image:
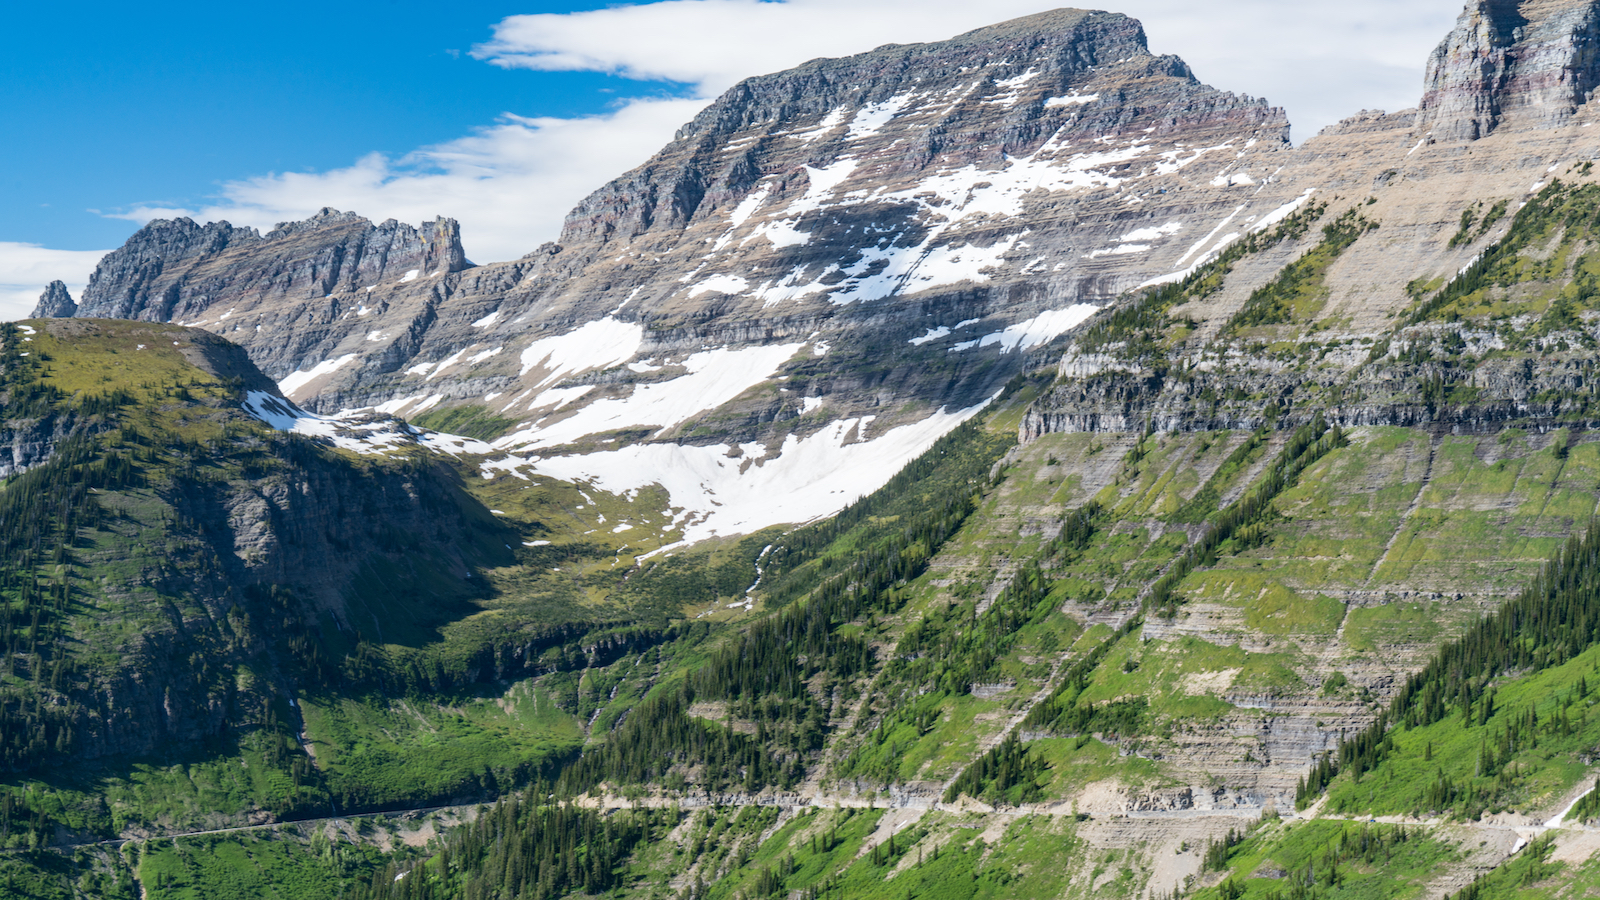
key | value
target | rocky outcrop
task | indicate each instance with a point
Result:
(229, 549)
(25, 443)
(173, 270)
(1532, 63)
(55, 302)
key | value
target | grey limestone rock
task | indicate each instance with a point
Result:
(55, 302)
(173, 270)
(1532, 62)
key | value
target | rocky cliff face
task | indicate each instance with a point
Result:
(1353, 342)
(1532, 61)
(172, 270)
(233, 546)
(55, 302)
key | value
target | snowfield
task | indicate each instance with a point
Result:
(800, 481)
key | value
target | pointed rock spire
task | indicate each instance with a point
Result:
(55, 303)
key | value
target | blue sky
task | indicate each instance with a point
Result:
(125, 105)
(505, 114)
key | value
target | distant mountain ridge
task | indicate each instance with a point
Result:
(822, 257)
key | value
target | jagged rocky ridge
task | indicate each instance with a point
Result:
(1507, 111)
(840, 249)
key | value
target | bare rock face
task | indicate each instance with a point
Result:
(55, 302)
(1531, 62)
(823, 271)
(173, 270)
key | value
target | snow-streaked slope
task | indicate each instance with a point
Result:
(359, 431)
(596, 345)
(802, 480)
(294, 381)
(714, 378)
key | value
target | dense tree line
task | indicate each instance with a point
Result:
(1008, 773)
(1503, 263)
(779, 656)
(945, 477)
(1273, 303)
(41, 514)
(1059, 713)
(1139, 324)
(659, 735)
(522, 849)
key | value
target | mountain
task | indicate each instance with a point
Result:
(829, 266)
(1241, 548)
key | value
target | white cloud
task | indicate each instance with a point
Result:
(511, 183)
(26, 268)
(1322, 62)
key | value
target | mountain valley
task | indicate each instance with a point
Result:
(1003, 467)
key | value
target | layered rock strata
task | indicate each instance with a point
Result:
(1353, 351)
(1533, 62)
(917, 213)
(55, 302)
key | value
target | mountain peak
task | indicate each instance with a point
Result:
(171, 269)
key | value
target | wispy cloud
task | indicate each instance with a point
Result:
(510, 184)
(26, 268)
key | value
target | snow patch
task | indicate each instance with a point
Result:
(1561, 816)
(715, 377)
(1071, 100)
(488, 320)
(358, 431)
(294, 381)
(1119, 250)
(781, 234)
(600, 344)
(748, 206)
(832, 120)
(1153, 233)
(933, 335)
(1283, 212)
(411, 275)
(555, 398)
(446, 363)
(721, 284)
(1034, 332)
(918, 268)
(874, 116)
(808, 478)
